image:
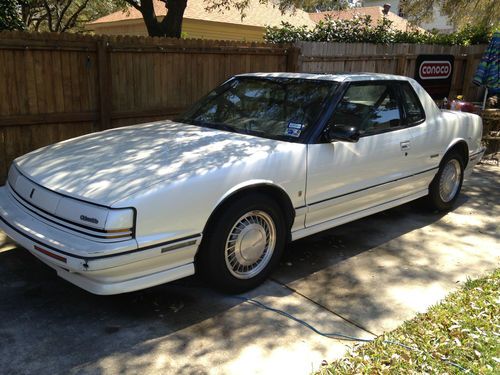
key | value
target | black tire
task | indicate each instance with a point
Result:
(211, 261)
(435, 200)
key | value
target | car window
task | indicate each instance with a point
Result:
(371, 107)
(280, 108)
(414, 111)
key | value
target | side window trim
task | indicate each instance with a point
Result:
(401, 95)
(316, 134)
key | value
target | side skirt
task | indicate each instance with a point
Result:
(356, 215)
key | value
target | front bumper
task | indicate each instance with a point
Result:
(100, 268)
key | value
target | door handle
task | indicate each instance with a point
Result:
(405, 146)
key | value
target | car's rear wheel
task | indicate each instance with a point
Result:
(242, 244)
(446, 185)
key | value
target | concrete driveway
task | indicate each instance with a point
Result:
(358, 279)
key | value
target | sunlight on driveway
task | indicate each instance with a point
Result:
(5, 243)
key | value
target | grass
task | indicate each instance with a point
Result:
(464, 329)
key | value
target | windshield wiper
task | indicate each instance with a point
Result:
(211, 125)
(253, 132)
(225, 127)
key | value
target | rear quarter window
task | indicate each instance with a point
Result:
(414, 111)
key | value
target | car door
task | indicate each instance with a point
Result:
(348, 177)
(427, 144)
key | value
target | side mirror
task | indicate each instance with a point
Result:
(345, 133)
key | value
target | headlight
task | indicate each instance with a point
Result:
(120, 220)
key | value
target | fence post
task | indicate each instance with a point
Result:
(104, 77)
(469, 66)
(292, 59)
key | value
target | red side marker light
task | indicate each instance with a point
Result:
(52, 255)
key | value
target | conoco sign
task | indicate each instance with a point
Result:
(434, 70)
(434, 73)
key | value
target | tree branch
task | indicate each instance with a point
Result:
(73, 19)
(135, 4)
(63, 12)
(49, 14)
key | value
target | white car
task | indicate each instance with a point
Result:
(263, 159)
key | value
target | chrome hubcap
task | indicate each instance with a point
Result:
(250, 244)
(450, 180)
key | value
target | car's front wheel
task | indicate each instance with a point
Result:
(242, 244)
(444, 189)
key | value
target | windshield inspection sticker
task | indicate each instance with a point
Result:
(295, 125)
(293, 129)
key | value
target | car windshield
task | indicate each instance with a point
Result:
(270, 107)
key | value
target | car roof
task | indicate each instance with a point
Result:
(338, 77)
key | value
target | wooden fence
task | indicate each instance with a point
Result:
(58, 86)
(393, 59)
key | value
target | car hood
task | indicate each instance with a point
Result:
(108, 166)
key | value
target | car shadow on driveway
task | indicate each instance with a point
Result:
(50, 326)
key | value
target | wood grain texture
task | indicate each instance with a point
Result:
(59, 86)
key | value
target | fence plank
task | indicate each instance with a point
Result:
(3, 155)
(104, 84)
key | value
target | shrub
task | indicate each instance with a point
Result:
(360, 30)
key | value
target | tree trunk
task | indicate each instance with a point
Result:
(148, 13)
(171, 25)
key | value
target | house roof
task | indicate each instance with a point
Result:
(375, 12)
(256, 14)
